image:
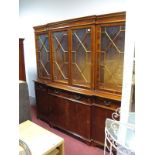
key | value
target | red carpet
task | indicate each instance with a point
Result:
(72, 146)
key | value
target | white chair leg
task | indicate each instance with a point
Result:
(105, 145)
(111, 149)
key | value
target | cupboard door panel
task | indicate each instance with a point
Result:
(99, 116)
(59, 112)
(60, 56)
(43, 56)
(79, 119)
(111, 57)
(81, 57)
(42, 101)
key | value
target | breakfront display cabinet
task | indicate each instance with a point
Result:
(80, 73)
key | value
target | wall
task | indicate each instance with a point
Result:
(37, 12)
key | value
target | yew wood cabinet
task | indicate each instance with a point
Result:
(80, 68)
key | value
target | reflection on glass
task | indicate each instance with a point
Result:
(43, 56)
(111, 57)
(60, 56)
(81, 57)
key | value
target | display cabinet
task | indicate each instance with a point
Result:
(80, 67)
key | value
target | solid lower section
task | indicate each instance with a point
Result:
(80, 115)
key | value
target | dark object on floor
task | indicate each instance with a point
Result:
(24, 102)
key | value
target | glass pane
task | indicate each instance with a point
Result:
(111, 57)
(43, 56)
(81, 57)
(60, 56)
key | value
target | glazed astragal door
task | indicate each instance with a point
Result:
(43, 56)
(81, 57)
(111, 57)
(60, 56)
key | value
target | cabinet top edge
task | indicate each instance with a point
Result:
(113, 14)
(67, 21)
(82, 91)
(85, 20)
